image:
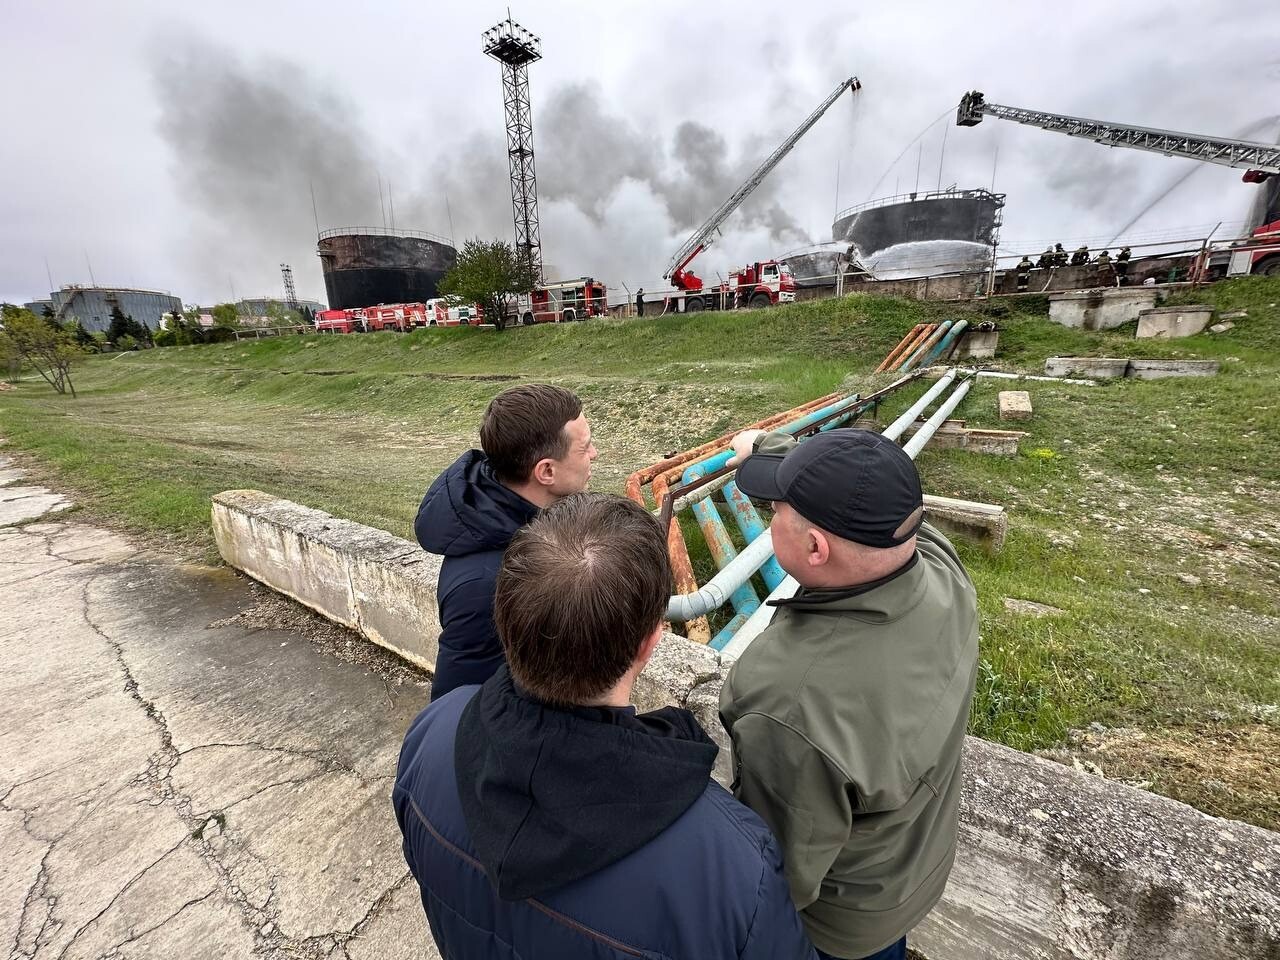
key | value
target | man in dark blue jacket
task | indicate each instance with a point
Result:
(543, 818)
(536, 448)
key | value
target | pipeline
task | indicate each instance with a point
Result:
(929, 343)
(947, 344)
(897, 351)
(894, 430)
(926, 432)
(926, 331)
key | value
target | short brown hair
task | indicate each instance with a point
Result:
(524, 425)
(579, 591)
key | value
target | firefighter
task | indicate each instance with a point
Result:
(640, 302)
(1080, 256)
(1059, 255)
(1046, 259)
(1102, 259)
(1024, 273)
(1122, 266)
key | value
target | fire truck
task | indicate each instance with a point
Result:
(442, 313)
(1258, 255)
(561, 302)
(340, 321)
(759, 284)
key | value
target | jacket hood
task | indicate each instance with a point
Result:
(552, 795)
(468, 510)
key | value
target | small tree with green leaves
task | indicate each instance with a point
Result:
(489, 273)
(32, 341)
(224, 315)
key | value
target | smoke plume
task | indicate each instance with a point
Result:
(250, 141)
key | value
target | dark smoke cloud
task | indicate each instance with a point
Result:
(250, 140)
(589, 151)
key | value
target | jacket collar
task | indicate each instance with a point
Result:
(885, 599)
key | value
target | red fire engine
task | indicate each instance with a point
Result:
(563, 302)
(759, 284)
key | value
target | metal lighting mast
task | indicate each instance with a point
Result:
(515, 48)
(290, 295)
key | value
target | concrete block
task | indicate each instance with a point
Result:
(984, 523)
(1170, 322)
(1222, 327)
(978, 343)
(954, 435)
(1158, 369)
(1101, 309)
(1014, 405)
(1097, 368)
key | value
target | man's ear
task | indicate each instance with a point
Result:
(819, 548)
(544, 472)
(650, 644)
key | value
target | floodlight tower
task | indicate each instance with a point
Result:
(515, 48)
(290, 295)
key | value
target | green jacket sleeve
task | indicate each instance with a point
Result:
(799, 793)
(774, 442)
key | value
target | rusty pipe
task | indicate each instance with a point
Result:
(897, 351)
(640, 477)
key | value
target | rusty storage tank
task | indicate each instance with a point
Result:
(365, 266)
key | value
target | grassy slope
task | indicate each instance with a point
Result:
(1119, 488)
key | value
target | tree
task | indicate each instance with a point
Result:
(48, 351)
(224, 315)
(119, 326)
(489, 273)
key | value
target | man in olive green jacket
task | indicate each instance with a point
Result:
(848, 712)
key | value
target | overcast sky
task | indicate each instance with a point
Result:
(176, 145)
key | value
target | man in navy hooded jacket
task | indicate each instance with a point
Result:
(536, 449)
(543, 818)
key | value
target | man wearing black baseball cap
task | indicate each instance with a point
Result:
(848, 712)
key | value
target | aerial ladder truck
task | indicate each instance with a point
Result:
(1259, 254)
(759, 284)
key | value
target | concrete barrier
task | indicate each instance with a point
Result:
(1159, 369)
(377, 584)
(1096, 368)
(1169, 322)
(1052, 864)
(1102, 309)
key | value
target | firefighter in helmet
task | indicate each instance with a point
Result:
(1046, 259)
(1122, 266)
(1080, 256)
(1024, 273)
(1103, 259)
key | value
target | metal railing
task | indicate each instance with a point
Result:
(382, 232)
(948, 194)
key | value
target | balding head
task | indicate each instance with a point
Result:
(819, 559)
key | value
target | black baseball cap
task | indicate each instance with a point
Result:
(853, 483)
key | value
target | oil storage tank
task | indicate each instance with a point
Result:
(943, 231)
(365, 266)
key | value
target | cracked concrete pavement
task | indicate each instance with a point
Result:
(175, 781)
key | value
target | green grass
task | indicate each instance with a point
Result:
(1119, 488)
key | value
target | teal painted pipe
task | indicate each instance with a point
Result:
(948, 342)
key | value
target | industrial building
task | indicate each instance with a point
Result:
(365, 266)
(92, 306)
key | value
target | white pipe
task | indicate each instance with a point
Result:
(758, 620)
(895, 429)
(925, 433)
(686, 606)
